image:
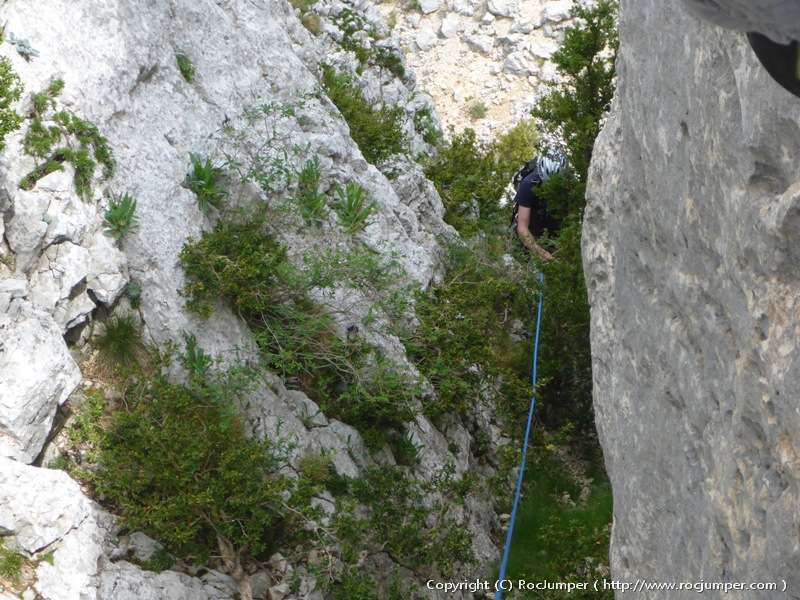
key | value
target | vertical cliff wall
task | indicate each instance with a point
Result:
(690, 248)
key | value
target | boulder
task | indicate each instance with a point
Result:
(558, 11)
(502, 8)
(694, 289)
(451, 25)
(426, 38)
(37, 374)
(429, 6)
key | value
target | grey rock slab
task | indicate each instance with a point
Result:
(777, 19)
(37, 374)
(502, 8)
(451, 25)
(429, 6)
(694, 287)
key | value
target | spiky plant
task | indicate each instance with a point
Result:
(353, 207)
(120, 217)
(204, 179)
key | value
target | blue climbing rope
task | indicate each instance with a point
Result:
(507, 550)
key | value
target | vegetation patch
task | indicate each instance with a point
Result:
(11, 564)
(10, 91)
(353, 207)
(205, 180)
(477, 110)
(55, 138)
(240, 262)
(120, 217)
(312, 203)
(425, 125)
(561, 534)
(378, 132)
(466, 344)
(185, 67)
(471, 177)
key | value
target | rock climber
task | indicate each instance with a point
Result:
(531, 217)
(772, 26)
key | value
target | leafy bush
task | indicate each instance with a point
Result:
(311, 201)
(82, 145)
(10, 92)
(465, 344)
(400, 525)
(177, 464)
(47, 98)
(204, 179)
(573, 109)
(426, 127)
(477, 110)
(120, 217)
(378, 132)
(353, 207)
(471, 176)
(185, 66)
(244, 265)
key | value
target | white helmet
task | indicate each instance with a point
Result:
(549, 164)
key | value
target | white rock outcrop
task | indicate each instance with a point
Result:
(690, 250)
(60, 269)
(37, 374)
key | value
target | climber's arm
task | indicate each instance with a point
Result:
(525, 235)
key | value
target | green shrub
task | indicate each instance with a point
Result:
(378, 132)
(391, 60)
(194, 359)
(11, 564)
(68, 139)
(400, 523)
(178, 465)
(159, 561)
(426, 127)
(311, 201)
(573, 109)
(205, 180)
(464, 343)
(471, 176)
(10, 92)
(477, 110)
(47, 98)
(242, 264)
(353, 206)
(120, 217)
(185, 66)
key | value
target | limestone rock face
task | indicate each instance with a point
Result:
(59, 268)
(778, 19)
(37, 374)
(690, 250)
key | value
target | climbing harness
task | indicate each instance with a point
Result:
(782, 61)
(518, 492)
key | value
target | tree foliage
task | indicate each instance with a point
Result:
(573, 110)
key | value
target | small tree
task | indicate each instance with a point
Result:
(573, 108)
(573, 111)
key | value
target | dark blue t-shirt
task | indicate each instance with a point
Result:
(527, 196)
